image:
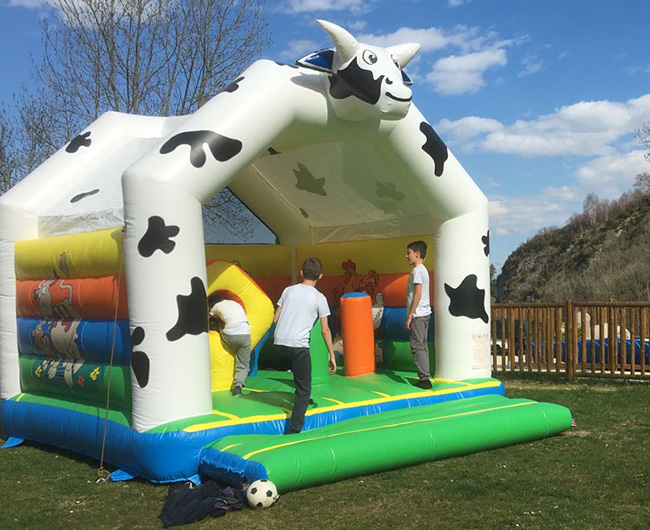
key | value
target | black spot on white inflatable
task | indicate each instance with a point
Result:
(81, 140)
(284, 64)
(221, 147)
(486, 242)
(157, 237)
(435, 148)
(139, 360)
(192, 312)
(80, 196)
(234, 85)
(354, 81)
(389, 190)
(467, 300)
(307, 182)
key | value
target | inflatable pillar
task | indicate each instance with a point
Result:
(358, 334)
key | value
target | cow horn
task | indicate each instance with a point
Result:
(346, 45)
(403, 53)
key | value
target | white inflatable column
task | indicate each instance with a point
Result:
(16, 223)
(164, 249)
(461, 266)
(462, 297)
(166, 277)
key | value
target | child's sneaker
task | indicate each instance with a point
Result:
(425, 384)
(236, 391)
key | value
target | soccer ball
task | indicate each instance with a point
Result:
(262, 494)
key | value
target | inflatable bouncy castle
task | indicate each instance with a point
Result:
(105, 346)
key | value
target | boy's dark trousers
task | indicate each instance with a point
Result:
(419, 346)
(301, 368)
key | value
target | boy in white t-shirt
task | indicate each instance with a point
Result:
(418, 311)
(232, 323)
(299, 307)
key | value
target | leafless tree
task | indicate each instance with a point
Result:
(643, 179)
(152, 57)
(8, 162)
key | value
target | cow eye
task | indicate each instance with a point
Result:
(396, 63)
(369, 57)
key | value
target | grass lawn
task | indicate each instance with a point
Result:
(596, 476)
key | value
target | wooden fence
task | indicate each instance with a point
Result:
(604, 339)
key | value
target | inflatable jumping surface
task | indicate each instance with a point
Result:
(105, 344)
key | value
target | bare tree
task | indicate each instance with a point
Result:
(590, 207)
(642, 181)
(8, 163)
(152, 57)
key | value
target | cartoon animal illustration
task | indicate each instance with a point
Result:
(56, 335)
(354, 282)
(54, 299)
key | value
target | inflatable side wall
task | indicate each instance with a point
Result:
(72, 319)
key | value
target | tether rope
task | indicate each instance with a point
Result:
(102, 474)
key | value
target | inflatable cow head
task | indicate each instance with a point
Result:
(365, 81)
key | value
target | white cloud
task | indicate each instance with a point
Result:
(532, 64)
(521, 216)
(429, 39)
(456, 74)
(565, 193)
(605, 176)
(466, 39)
(467, 128)
(608, 176)
(357, 25)
(309, 6)
(456, 3)
(433, 39)
(586, 128)
(29, 4)
(641, 106)
(554, 143)
(462, 74)
(298, 49)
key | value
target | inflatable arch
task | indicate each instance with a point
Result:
(104, 282)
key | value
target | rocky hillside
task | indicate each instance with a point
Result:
(602, 253)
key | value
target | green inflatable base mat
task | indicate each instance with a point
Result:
(383, 441)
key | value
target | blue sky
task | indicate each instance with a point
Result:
(539, 100)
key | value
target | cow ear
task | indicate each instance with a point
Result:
(403, 53)
(321, 60)
(346, 45)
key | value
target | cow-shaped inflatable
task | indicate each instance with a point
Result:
(366, 81)
(356, 100)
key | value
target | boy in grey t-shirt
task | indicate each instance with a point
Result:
(418, 311)
(299, 307)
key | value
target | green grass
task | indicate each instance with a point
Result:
(595, 476)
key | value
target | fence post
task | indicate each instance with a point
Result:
(570, 334)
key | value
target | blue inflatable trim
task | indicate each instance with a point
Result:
(119, 475)
(392, 324)
(12, 442)
(355, 295)
(229, 468)
(255, 354)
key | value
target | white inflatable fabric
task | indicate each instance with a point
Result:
(332, 151)
(77, 189)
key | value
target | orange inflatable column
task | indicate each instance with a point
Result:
(358, 334)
